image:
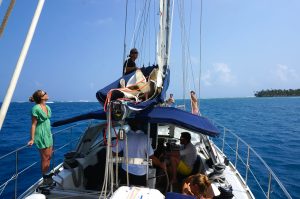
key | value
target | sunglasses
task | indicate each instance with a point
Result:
(45, 93)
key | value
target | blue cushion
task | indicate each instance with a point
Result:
(173, 195)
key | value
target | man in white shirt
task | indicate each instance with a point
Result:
(185, 160)
(137, 148)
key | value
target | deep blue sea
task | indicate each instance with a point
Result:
(270, 125)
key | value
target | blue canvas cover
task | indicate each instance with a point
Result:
(168, 115)
(180, 118)
(160, 98)
(99, 115)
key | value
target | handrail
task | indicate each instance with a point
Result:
(247, 165)
(25, 146)
(15, 152)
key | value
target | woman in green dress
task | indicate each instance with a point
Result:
(40, 132)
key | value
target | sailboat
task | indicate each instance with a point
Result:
(91, 171)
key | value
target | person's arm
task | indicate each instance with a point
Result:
(158, 163)
(130, 69)
(174, 154)
(186, 190)
(130, 66)
(32, 131)
(193, 97)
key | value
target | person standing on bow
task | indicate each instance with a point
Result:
(40, 132)
(194, 104)
(129, 65)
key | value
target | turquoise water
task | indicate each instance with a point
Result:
(269, 125)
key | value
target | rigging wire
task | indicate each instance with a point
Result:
(188, 54)
(133, 39)
(145, 25)
(182, 51)
(189, 60)
(149, 36)
(124, 52)
(200, 55)
(141, 36)
(134, 18)
(155, 31)
(187, 66)
(140, 23)
(186, 57)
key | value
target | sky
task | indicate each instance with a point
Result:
(78, 46)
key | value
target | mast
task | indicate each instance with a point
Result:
(164, 35)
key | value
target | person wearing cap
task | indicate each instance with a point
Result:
(129, 65)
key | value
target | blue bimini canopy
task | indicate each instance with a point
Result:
(102, 94)
(180, 118)
(166, 115)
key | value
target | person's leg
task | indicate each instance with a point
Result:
(174, 164)
(122, 177)
(46, 154)
(137, 180)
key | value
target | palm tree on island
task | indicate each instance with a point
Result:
(278, 93)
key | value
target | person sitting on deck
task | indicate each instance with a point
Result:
(129, 65)
(199, 186)
(183, 161)
(137, 146)
(171, 101)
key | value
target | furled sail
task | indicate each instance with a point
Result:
(139, 90)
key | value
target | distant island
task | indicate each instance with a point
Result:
(277, 93)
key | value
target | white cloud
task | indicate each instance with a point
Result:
(224, 73)
(220, 74)
(206, 78)
(284, 73)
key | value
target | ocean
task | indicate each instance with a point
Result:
(271, 126)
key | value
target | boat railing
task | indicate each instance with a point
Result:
(242, 155)
(16, 153)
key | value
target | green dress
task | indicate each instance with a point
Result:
(43, 136)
